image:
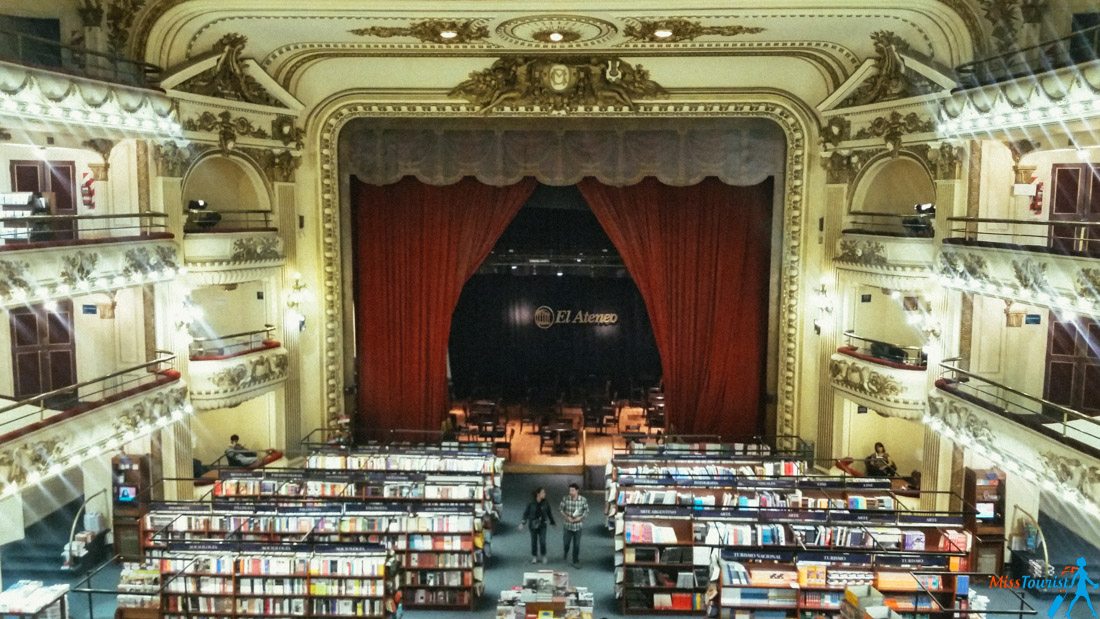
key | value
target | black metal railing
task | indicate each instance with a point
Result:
(1056, 420)
(1076, 48)
(24, 49)
(232, 344)
(227, 221)
(29, 229)
(89, 393)
(1064, 237)
(906, 355)
(891, 224)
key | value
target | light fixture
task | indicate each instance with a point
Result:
(926, 208)
(294, 299)
(196, 205)
(447, 35)
(514, 267)
(662, 33)
(560, 273)
(556, 37)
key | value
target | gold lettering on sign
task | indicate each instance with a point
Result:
(546, 317)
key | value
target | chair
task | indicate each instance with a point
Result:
(506, 443)
(593, 416)
(546, 436)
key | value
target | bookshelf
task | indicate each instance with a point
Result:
(439, 548)
(230, 579)
(984, 500)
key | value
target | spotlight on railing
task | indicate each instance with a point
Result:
(196, 205)
(927, 208)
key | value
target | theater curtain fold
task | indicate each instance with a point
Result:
(415, 247)
(700, 257)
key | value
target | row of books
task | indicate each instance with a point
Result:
(652, 577)
(720, 533)
(681, 555)
(644, 532)
(448, 578)
(157, 522)
(713, 469)
(487, 463)
(641, 601)
(224, 488)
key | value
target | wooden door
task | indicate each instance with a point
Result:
(43, 349)
(57, 178)
(1076, 198)
(1073, 365)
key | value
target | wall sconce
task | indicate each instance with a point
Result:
(189, 313)
(824, 308)
(294, 300)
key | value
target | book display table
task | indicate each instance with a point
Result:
(545, 594)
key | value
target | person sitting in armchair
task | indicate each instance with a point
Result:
(239, 455)
(879, 463)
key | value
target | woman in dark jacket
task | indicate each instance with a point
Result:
(535, 518)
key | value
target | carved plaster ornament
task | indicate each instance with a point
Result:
(863, 380)
(1087, 284)
(1030, 274)
(227, 127)
(1005, 17)
(675, 30)
(837, 130)
(120, 17)
(448, 32)
(891, 81)
(255, 249)
(560, 84)
(228, 79)
(14, 276)
(141, 261)
(892, 129)
(172, 159)
(78, 268)
(284, 130)
(871, 253)
(5, 135)
(91, 13)
(946, 161)
(104, 148)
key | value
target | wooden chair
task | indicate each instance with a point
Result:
(506, 443)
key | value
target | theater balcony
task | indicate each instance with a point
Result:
(44, 84)
(889, 248)
(1051, 264)
(884, 377)
(230, 240)
(54, 257)
(42, 435)
(1048, 443)
(1048, 89)
(227, 370)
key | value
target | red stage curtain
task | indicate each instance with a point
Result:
(415, 247)
(700, 257)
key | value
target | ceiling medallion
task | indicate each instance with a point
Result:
(674, 30)
(443, 31)
(538, 31)
(559, 84)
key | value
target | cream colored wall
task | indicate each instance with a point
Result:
(882, 318)
(894, 188)
(904, 439)
(253, 420)
(1014, 356)
(225, 185)
(232, 311)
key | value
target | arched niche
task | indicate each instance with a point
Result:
(226, 184)
(893, 185)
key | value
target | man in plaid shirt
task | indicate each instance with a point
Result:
(574, 508)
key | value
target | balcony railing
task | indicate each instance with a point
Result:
(27, 50)
(199, 221)
(34, 231)
(1063, 424)
(54, 406)
(221, 347)
(1079, 47)
(891, 224)
(1072, 238)
(906, 357)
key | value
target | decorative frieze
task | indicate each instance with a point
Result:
(228, 78)
(1030, 275)
(558, 84)
(894, 392)
(227, 128)
(78, 269)
(146, 262)
(837, 130)
(14, 276)
(173, 160)
(256, 248)
(675, 30)
(443, 31)
(862, 251)
(244, 249)
(891, 80)
(227, 382)
(893, 128)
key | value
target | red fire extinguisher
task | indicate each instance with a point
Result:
(1036, 205)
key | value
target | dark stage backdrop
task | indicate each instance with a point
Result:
(550, 333)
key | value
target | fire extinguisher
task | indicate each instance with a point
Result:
(1036, 205)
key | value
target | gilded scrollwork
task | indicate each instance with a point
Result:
(837, 130)
(78, 269)
(675, 30)
(227, 128)
(173, 159)
(558, 84)
(252, 372)
(253, 249)
(893, 128)
(228, 79)
(284, 130)
(445, 31)
(860, 251)
(891, 80)
(863, 380)
(14, 276)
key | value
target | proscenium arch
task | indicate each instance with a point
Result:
(799, 127)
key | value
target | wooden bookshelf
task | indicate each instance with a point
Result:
(231, 579)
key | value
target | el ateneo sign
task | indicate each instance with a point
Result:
(546, 317)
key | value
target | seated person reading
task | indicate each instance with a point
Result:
(238, 454)
(879, 463)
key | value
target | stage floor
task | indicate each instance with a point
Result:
(596, 447)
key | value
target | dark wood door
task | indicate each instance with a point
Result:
(1073, 365)
(43, 348)
(57, 178)
(1076, 198)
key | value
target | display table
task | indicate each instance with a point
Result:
(545, 594)
(32, 599)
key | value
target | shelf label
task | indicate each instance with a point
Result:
(930, 519)
(730, 554)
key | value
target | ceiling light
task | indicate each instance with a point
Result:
(560, 273)
(447, 35)
(556, 36)
(662, 33)
(514, 267)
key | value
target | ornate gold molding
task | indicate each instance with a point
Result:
(864, 381)
(284, 130)
(173, 160)
(78, 269)
(680, 29)
(1030, 274)
(444, 31)
(120, 18)
(842, 168)
(963, 265)
(894, 127)
(14, 276)
(837, 130)
(558, 84)
(860, 251)
(228, 128)
(228, 79)
(794, 122)
(91, 13)
(141, 261)
(892, 81)
(104, 148)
